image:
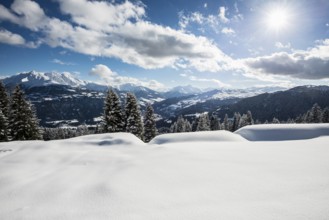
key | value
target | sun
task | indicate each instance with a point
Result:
(277, 19)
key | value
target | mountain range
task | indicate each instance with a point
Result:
(64, 99)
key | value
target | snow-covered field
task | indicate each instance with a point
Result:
(206, 175)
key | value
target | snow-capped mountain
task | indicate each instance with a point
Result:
(179, 91)
(62, 97)
(36, 79)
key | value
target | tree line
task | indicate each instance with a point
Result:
(212, 123)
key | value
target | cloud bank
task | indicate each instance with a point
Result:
(115, 30)
(303, 64)
(113, 78)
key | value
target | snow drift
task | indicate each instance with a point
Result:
(202, 136)
(280, 132)
(115, 176)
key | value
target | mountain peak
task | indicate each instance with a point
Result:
(34, 79)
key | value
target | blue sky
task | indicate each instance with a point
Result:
(165, 43)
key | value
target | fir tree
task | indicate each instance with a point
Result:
(315, 115)
(325, 115)
(4, 133)
(275, 121)
(113, 116)
(4, 100)
(250, 120)
(180, 125)
(225, 123)
(134, 123)
(150, 130)
(236, 121)
(214, 123)
(203, 123)
(23, 122)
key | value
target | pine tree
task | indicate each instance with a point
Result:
(250, 120)
(315, 115)
(134, 123)
(150, 130)
(325, 115)
(113, 116)
(23, 122)
(225, 123)
(214, 123)
(236, 121)
(275, 121)
(188, 126)
(180, 125)
(4, 100)
(4, 133)
(203, 123)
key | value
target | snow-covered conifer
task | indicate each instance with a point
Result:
(226, 123)
(236, 121)
(134, 123)
(112, 116)
(4, 100)
(214, 123)
(150, 130)
(315, 115)
(23, 122)
(325, 115)
(203, 123)
(4, 133)
(275, 121)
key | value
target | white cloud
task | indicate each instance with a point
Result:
(228, 31)
(114, 79)
(282, 46)
(57, 61)
(302, 64)
(8, 37)
(222, 16)
(118, 30)
(205, 5)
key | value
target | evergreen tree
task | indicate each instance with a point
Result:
(150, 130)
(325, 115)
(134, 123)
(236, 121)
(203, 123)
(23, 122)
(4, 100)
(214, 123)
(250, 120)
(226, 123)
(4, 133)
(180, 125)
(315, 115)
(188, 126)
(275, 121)
(113, 116)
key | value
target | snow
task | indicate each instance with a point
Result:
(190, 137)
(116, 176)
(280, 132)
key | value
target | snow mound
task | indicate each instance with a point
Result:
(282, 132)
(202, 136)
(110, 139)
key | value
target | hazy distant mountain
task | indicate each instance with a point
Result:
(281, 104)
(179, 91)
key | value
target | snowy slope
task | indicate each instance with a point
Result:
(280, 132)
(116, 176)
